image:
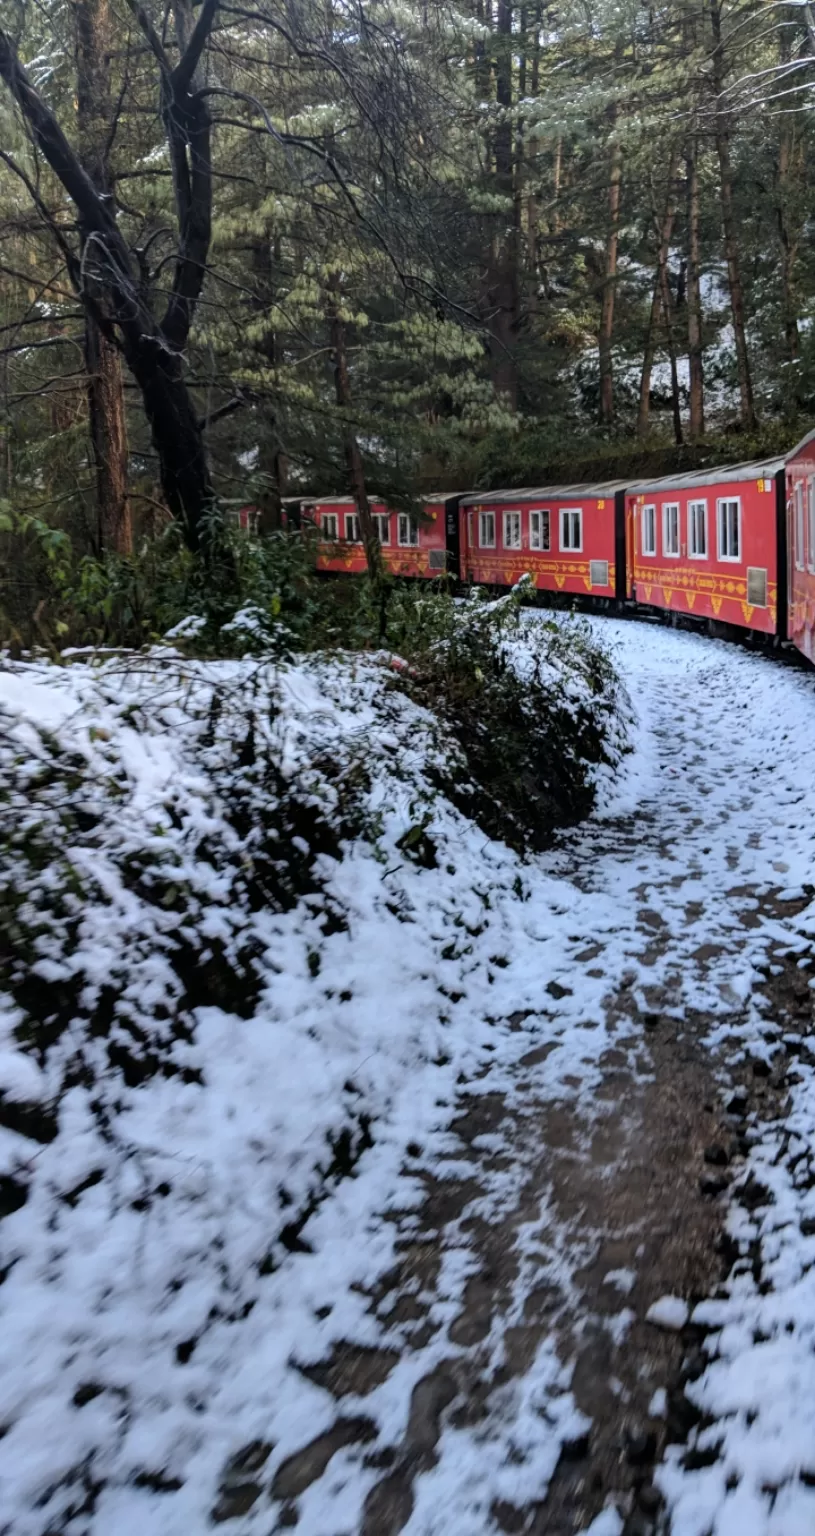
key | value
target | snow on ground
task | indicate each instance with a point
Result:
(158, 1315)
(735, 807)
(151, 1294)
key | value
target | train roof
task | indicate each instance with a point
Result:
(582, 489)
(753, 469)
(804, 443)
(348, 501)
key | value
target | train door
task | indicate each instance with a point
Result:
(452, 534)
(630, 545)
(620, 546)
(466, 545)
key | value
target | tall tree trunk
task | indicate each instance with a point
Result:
(786, 151)
(695, 357)
(186, 480)
(731, 241)
(531, 211)
(788, 246)
(272, 465)
(523, 254)
(557, 171)
(483, 67)
(668, 313)
(353, 453)
(664, 232)
(610, 288)
(106, 404)
(503, 294)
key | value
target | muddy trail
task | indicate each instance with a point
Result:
(633, 1210)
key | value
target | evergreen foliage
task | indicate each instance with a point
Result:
(457, 244)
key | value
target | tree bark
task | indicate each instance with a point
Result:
(106, 405)
(664, 232)
(353, 453)
(667, 310)
(557, 171)
(610, 288)
(178, 439)
(503, 291)
(747, 411)
(695, 355)
(788, 247)
(483, 68)
(271, 458)
(531, 210)
(787, 241)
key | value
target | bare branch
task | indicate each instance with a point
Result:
(185, 69)
(228, 409)
(151, 34)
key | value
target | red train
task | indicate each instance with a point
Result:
(411, 545)
(733, 546)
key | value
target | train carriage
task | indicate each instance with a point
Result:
(800, 488)
(570, 539)
(710, 545)
(733, 546)
(412, 545)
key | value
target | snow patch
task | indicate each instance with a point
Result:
(670, 1313)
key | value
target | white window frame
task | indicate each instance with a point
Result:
(353, 532)
(512, 519)
(540, 528)
(799, 511)
(651, 508)
(408, 531)
(695, 506)
(811, 524)
(484, 520)
(669, 507)
(330, 526)
(721, 503)
(570, 513)
(382, 526)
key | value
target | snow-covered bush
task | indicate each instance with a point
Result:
(245, 936)
(534, 704)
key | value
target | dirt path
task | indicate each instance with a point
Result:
(525, 1270)
(625, 1223)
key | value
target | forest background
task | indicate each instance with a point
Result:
(253, 251)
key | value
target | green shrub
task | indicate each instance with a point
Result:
(58, 597)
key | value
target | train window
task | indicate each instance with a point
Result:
(539, 534)
(382, 527)
(811, 522)
(329, 522)
(571, 528)
(649, 530)
(352, 532)
(408, 529)
(728, 518)
(697, 530)
(512, 530)
(670, 528)
(486, 530)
